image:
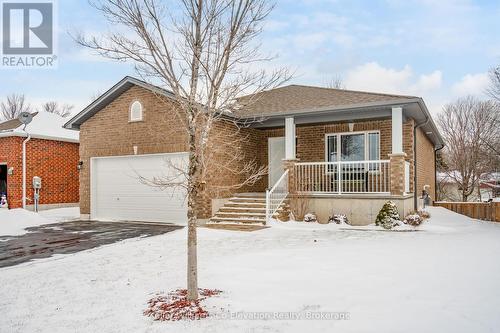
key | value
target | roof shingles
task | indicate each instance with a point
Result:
(298, 98)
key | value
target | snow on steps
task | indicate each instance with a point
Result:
(243, 208)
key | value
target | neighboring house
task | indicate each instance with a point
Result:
(51, 154)
(449, 190)
(346, 151)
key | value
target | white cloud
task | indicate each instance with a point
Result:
(309, 41)
(374, 77)
(429, 82)
(471, 84)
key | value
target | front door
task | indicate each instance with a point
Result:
(276, 150)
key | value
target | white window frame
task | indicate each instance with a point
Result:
(130, 112)
(339, 145)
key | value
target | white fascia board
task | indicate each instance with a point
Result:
(38, 136)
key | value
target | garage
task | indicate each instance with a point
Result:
(117, 193)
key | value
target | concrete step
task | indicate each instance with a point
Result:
(235, 226)
(243, 209)
(245, 199)
(238, 220)
(240, 214)
(251, 195)
(246, 204)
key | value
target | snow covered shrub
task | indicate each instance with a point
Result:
(284, 214)
(388, 223)
(388, 213)
(310, 217)
(424, 214)
(338, 219)
(414, 220)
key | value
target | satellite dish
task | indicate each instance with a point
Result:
(26, 117)
(23, 119)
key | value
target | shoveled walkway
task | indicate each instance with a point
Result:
(70, 237)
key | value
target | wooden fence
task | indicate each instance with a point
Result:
(487, 211)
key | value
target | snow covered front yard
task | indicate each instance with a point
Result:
(15, 221)
(442, 279)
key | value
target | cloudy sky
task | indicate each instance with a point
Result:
(436, 49)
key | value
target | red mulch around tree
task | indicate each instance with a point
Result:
(175, 305)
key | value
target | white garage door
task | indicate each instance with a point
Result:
(118, 194)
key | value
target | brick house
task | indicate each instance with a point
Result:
(51, 153)
(345, 151)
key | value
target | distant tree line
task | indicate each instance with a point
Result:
(14, 104)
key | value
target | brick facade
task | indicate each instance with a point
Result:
(109, 133)
(426, 174)
(54, 161)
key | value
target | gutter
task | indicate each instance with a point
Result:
(435, 168)
(24, 166)
(415, 192)
(38, 136)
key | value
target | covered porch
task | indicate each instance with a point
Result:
(355, 161)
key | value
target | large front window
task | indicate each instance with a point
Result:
(359, 146)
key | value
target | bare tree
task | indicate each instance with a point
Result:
(493, 89)
(205, 52)
(337, 82)
(63, 110)
(95, 95)
(469, 126)
(14, 106)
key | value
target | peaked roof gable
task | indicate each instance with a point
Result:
(109, 96)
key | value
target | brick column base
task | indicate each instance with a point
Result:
(397, 167)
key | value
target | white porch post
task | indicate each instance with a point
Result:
(397, 163)
(397, 130)
(290, 139)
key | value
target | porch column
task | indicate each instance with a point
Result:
(397, 169)
(397, 130)
(397, 158)
(290, 153)
(290, 138)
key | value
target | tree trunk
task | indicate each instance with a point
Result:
(464, 196)
(192, 243)
(192, 261)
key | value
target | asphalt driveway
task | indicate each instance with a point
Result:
(70, 237)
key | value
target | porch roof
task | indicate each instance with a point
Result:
(308, 105)
(296, 99)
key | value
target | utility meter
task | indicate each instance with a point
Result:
(37, 183)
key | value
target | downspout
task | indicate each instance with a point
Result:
(435, 169)
(28, 138)
(415, 191)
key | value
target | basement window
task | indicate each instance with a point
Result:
(136, 111)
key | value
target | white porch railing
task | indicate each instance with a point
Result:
(276, 195)
(343, 177)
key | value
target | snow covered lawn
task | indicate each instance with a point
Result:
(442, 279)
(13, 222)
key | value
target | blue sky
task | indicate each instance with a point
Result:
(436, 49)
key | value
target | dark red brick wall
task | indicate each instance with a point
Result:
(11, 153)
(54, 161)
